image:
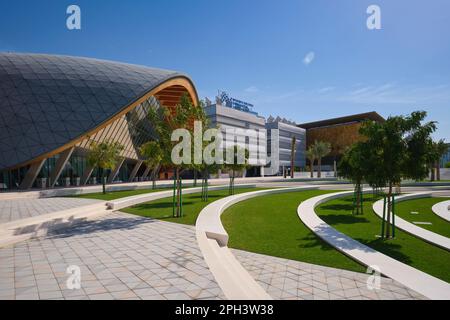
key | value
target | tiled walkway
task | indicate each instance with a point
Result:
(288, 279)
(12, 210)
(121, 257)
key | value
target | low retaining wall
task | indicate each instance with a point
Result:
(234, 280)
(424, 234)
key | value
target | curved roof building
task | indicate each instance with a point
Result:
(53, 107)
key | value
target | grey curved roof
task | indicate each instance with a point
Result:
(47, 100)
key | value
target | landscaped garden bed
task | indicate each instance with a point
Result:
(418, 212)
(192, 205)
(366, 229)
(270, 225)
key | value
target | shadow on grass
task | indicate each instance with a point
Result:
(337, 207)
(210, 196)
(348, 218)
(312, 241)
(387, 247)
(158, 205)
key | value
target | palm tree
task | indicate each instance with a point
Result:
(294, 140)
(311, 155)
(321, 149)
(153, 154)
(104, 156)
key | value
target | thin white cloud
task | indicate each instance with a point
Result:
(309, 58)
(326, 89)
(252, 89)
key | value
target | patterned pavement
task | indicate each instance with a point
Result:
(12, 210)
(288, 279)
(120, 256)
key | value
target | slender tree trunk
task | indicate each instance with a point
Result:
(358, 200)
(311, 169)
(232, 183)
(195, 178)
(438, 171)
(177, 178)
(432, 177)
(389, 212)
(153, 180)
(103, 181)
(319, 163)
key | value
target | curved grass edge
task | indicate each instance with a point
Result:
(269, 225)
(366, 228)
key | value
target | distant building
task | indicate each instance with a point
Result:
(232, 113)
(339, 132)
(287, 130)
(446, 158)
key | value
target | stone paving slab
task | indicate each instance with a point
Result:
(121, 256)
(16, 209)
(294, 280)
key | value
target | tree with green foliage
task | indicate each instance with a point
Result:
(311, 155)
(238, 162)
(165, 121)
(321, 149)
(352, 167)
(153, 155)
(447, 165)
(396, 149)
(204, 168)
(104, 156)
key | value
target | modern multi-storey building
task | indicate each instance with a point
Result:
(446, 158)
(286, 132)
(229, 113)
(53, 107)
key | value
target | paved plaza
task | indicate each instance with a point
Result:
(16, 209)
(288, 279)
(120, 256)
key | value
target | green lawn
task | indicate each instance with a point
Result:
(116, 194)
(192, 205)
(423, 207)
(365, 228)
(270, 225)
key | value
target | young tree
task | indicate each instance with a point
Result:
(396, 149)
(104, 156)
(311, 155)
(293, 142)
(352, 167)
(153, 155)
(165, 121)
(321, 149)
(237, 163)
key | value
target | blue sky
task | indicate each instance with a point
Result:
(256, 49)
